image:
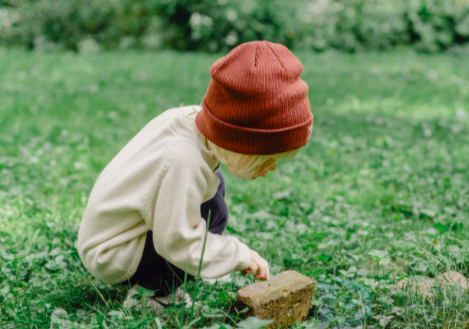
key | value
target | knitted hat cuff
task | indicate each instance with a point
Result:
(250, 140)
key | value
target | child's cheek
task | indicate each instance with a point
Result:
(234, 173)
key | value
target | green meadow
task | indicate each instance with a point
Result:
(380, 194)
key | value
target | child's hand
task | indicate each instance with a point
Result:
(258, 263)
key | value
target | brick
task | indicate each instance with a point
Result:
(285, 298)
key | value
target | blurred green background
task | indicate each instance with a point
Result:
(218, 25)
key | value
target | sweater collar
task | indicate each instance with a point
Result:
(212, 162)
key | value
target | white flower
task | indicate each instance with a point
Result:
(231, 39)
(231, 15)
(195, 19)
(207, 21)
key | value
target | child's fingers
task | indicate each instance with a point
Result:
(253, 267)
(266, 267)
(258, 267)
(262, 269)
(261, 273)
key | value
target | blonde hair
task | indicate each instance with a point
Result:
(244, 164)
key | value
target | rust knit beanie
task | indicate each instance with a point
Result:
(256, 102)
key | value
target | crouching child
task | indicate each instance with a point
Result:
(146, 218)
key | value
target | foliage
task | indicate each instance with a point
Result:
(218, 25)
(379, 194)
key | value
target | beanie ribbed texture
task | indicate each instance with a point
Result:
(256, 102)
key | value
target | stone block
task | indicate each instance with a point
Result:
(284, 298)
(450, 278)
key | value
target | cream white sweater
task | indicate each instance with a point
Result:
(156, 182)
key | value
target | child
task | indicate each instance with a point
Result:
(145, 221)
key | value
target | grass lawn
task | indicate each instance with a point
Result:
(380, 193)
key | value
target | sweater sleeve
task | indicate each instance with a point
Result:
(178, 228)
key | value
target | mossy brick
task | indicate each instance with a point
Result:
(284, 298)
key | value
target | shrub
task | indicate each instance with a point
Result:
(438, 25)
(218, 25)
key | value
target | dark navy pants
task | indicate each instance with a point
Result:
(154, 272)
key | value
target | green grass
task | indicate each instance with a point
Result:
(380, 193)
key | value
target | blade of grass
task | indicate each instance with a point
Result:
(158, 323)
(200, 268)
(184, 294)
